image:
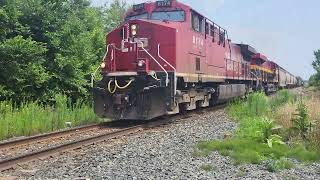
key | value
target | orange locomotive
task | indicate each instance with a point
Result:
(167, 57)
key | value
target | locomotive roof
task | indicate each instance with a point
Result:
(247, 49)
(260, 56)
(174, 5)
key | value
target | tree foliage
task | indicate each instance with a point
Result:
(21, 66)
(52, 46)
(316, 63)
(114, 14)
(315, 79)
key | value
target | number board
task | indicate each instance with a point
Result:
(138, 7)
(166, 3)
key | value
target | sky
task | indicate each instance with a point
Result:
(286, 31)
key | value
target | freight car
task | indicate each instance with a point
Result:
(166, 58)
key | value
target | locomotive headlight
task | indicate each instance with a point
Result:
(134, 32)
(134, 29)
(141, 63)
(103, 65)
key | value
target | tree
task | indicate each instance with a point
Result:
(37, 36)
(316, 62)
(114, 14)
(52, 46)
(315, 79)
(81, 46)
(21, 65)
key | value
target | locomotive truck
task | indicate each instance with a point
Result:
(166, 58)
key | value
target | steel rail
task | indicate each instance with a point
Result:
(40, 137)
(12, 162)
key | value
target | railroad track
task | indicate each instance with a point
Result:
(28, 145)
(103, 133)
(40, 137)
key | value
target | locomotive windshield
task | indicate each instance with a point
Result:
(139, 16)
(177, 16)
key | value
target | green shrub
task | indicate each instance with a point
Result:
(251, 128)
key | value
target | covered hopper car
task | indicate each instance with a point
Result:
(166, 58)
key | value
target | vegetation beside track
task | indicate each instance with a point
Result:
(47, 48)
(34, 118)
(272, 131)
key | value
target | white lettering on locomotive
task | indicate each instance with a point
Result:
(197, 41)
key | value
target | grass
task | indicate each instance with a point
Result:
(256, 141)
(34, 118)
(284, 115)
(276, 165)
(282, 97)
(255, 152)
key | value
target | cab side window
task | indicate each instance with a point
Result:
(197, 22)
(207, 28)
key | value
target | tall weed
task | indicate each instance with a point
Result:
(301, 123)
(282, 97)
(33, 117)
(257, 104)
(237, 109)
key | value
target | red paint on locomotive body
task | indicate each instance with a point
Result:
(126, 57)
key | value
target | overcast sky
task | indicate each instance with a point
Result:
(287, 31)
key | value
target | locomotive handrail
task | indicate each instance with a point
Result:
(174, 69)
(93, 75)
(154, 59)
(255, 75)
(164, 59)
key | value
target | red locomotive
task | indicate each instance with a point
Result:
(167, 57)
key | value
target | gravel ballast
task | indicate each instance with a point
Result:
(161, 153)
